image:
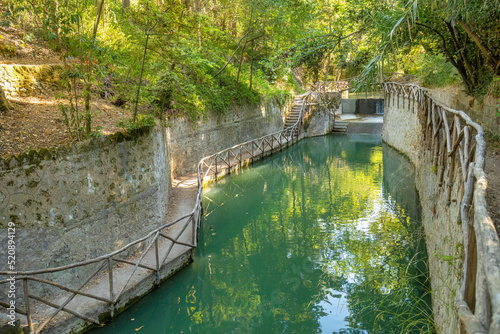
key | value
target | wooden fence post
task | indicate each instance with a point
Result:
(111, 287)
(27, 306)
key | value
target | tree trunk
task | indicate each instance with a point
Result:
(142, 71)
(125, 4)
(461, 50)
(4, 103)
(327, 69)
(492, 60)
(197, 8)
(88, 75)
(457, 63)
(251, 67)
(241, 62)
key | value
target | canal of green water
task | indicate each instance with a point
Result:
(324, 237)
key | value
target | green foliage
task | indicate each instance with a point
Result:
(185, 71)
(142, 121)
(74, 118)
(96, 133)
(206, 57)
(433, 71)
(461, 33)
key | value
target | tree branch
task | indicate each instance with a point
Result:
(460, 49)
(459, 67)
(232, 56)
(492, 60)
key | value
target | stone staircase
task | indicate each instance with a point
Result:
(294, 114)
(340, 126)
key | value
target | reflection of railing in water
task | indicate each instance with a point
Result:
(209, 167)
(220, 163)
(456, 139)
(449, 132)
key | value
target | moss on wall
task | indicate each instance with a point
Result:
(22, 80)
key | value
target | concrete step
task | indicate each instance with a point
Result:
(294, 114)
(340, 126)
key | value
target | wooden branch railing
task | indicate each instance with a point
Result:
(221, 163)
(155, 254)
(345, 84)
(333, 86)
(105, 264)
(455, 141)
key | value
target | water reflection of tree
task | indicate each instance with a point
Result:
(264, 280)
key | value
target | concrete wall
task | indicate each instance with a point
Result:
(363, 106)
(349, 106)
(318, 121)
(83, 200)
(403, 129)
(190, 142)
(371, 106)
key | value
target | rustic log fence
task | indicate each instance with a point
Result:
(105, 264)
(456, 142)
(448, 135)
(221, 163)
(156, 246)
(345, 84)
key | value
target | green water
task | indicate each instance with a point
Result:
(321, 238)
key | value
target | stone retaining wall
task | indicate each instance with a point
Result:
(190, 142)
(318, 121)
(24, 80)
(83, 200)
(483, 111)
(403, 129)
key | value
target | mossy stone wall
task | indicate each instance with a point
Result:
(190, 142)
(83, 200)
(25, 80)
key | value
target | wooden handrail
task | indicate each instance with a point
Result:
(457, 137)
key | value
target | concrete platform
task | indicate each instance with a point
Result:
(362, 124)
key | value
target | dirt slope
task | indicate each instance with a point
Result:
(35, 119)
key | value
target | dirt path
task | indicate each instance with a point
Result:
(492, 170)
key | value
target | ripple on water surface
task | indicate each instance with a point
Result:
(324, 237)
